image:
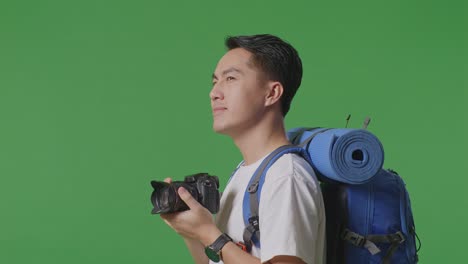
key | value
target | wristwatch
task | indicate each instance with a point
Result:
(213, 251)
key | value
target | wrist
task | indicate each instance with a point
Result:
(210, 235)
(214, 251)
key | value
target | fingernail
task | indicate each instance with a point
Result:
(182, 190)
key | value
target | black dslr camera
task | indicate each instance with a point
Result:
(203, 187)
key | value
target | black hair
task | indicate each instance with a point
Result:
(277, 59)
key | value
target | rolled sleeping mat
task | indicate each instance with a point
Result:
(345, 155)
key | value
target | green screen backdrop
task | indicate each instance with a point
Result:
(98, 98)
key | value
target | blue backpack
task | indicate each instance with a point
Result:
(368, 211)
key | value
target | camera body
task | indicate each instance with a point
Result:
(202, 186)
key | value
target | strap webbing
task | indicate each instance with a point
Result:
(394, 239)
(298, 134)
(360, 241)
(305, 144)
(252, 231)
(369, 241)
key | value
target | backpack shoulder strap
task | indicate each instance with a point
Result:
(252, 194)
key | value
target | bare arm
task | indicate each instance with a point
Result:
(194, 246)
(196, 250)
(234, 255)
(197, 228)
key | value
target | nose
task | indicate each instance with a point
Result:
(216, 93)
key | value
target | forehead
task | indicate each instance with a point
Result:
(237, 58)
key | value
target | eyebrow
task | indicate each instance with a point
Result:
(232, 69)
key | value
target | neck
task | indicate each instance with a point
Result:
(261, 139)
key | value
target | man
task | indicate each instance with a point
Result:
(253, 85)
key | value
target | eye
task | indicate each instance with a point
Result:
(230, 78)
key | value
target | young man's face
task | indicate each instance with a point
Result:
(238, 94)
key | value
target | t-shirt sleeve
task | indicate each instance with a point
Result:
(291, 217)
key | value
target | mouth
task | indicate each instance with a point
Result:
(217, 110)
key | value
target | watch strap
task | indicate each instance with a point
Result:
(218, 244)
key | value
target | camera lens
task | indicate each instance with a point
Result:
(163, 197)
(207, 183)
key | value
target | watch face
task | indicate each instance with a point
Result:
(212, 254)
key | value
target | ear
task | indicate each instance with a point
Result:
(274, 92)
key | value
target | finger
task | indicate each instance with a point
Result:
(168, 180)
(188, 198)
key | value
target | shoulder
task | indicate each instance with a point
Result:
(292, 167)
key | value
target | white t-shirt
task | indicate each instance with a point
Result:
(291, 211)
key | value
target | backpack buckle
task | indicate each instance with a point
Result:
(253, 187)
(244, 246)
(360, 241)
(398, 237)
(353, 238)
(254, 222)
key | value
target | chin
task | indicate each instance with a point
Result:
(220, 128)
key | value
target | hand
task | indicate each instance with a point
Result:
(196, 223)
